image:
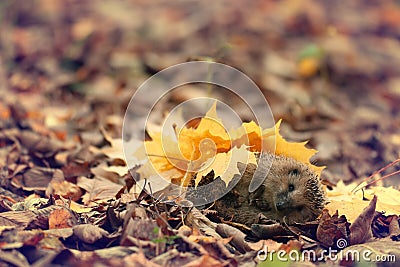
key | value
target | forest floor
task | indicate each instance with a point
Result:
(68, 69)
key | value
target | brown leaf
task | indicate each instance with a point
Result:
(215, 247)
(360, 230)
(174, 258)
(38, 178)
(65, 189)
(108, 173)
(141, 229)
(39, 144)
(74, 169)
(89, 233)
(82, 154)
(332, 228)
(97, 189)
(237, 237)
(13, 153)
(34, 240)
(61, 218)
(17, 218)
(394, 228)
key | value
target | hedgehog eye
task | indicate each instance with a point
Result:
(291, 188)
(294, 172)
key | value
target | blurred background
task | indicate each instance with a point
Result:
(329, 69)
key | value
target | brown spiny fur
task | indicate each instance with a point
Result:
(290, 191)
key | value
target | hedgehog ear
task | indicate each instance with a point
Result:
(294, 172)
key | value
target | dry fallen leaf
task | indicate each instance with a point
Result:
(238, 237)
(97, 189)
(352, 204)
(61, 218)
(332, 228)
(360, 230)
(66, 189)
(89, 233)
(12, 219)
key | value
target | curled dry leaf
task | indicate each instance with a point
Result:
(360, 230)
(76, 169)
(66, 189)
(38, 144)
(97, 189)
(101, 171)
(13, 258)
(332, 228)
(216, 247)
(380, 224)
(201, 223)
(141, 229)
(89, 233)
(237, 237)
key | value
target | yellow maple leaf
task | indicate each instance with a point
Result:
(163, 158)
(225, 165)
(210, 127)
(249, 133)
(298, 151)
(164, 153)
(270, 140)
(182, 157)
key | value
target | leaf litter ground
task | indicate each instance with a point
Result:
(66, 75)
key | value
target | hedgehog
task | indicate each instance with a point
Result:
(291, 192)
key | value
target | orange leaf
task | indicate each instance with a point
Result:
(60, 218)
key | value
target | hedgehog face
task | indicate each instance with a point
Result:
(291, 190)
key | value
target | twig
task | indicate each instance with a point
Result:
(371, 180)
